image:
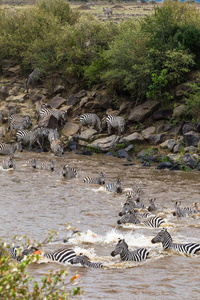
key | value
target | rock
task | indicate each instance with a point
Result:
(177, 148)
(15, 90)
(143, 111)
(58, 89)
(72, 145)
(190, 149)
(3, 93)
(130, 147)
(105, 144)
(80, 94)
(147, 132)
(18, 99)
(83, 143)
(84, 101)
(174, 158)
(110, 154)
(164, 114)
(69, 129)
(125, 107)
(164, 165)
(123, 154)
(168, 144)
(187, 127)
(14, 70)
(72, 100)
(48, 122)
(189, 160)
(179, 111)
(176, 129)
(134, 137)
(163, 128)
(87, 134)
(182, 89)
(2, 131)
(35, 97)
(191, 138)
(157, 138)
(56, 102)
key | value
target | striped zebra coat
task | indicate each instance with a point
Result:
(29, 136)
(8, 163)
(48, 165)
(84, 261)
(145, 219)
(60, 115)
(90, 119)
(114, 187)
(113, 121)
(9, 149)
(126, 255)
(68, 172)
(165, 238)
(19, 122)
(182, 212)
(97, 180)
(32, 163)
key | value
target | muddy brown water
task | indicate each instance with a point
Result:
(34, 201)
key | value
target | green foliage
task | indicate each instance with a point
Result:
(159, 82)
(193, 103)
(16, 283)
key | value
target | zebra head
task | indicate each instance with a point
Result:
(118, 186)
(128, 217)
(10, 163)
(162, 237)
(52, 164)
(29, 250)
(102, 179)
(80, 259)
(19, 147)
(120, 247)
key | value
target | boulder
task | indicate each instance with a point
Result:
(168, 144)
(18, 99)
(134, 137)
(190, 149)
(72, 100)
(105, 144)
(143, 111)
(125, 107)
(190, 160)
(3, 93)
(84, 101)
(179, 111)
(69, 129)
(164, 165)
(87, 134)
(147, 132)
(123, 154)
(191, 138)
(48, 122)
(187, 127)
(157, 138)
(176, 129)
(36, 97)
(163, 114)
(56, 102)
(163, 128)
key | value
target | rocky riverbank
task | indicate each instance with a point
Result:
(152, 135)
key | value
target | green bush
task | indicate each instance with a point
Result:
(16, 283)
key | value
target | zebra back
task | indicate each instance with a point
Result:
(115, 121)
(61, 255)
(114, 187)
(84, 261)
(68, 172)
(9, 149)
(97, 180)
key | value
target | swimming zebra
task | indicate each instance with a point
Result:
(32, 163)
(19, 122)
(8, 163)
(61, 255)
(129, 205)
(33, 78)
(147, 220)
(165, 238)
(114, 187)
(48, 165)
(9, 149)
(60, 115)
(115, 121)
(68, 172)
(84, 261)
(182, 212)
(56, 147)
(29, 136)
(15, 253)
(97, 180)
(90, 119)
(152, 206)
(122, 249)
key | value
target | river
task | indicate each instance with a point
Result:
(33, 202)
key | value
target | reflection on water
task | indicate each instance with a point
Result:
(34, 201)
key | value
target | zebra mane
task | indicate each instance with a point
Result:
(122, 241)
(164, 230)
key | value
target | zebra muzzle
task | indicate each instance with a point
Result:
(113, 253)
(153, 241)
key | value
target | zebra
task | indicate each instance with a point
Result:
(60, 115)
(53, 134)
(165, 238)
(15, 253)
(152, 206)
(9, 149)
(90, 119)
(48, 165)
(29, 136)
(8, 163)
(122, 249)
(114, 187)
(182, 212)
(19, 122)
(63, 255)
(68, 172)
(32, 163)
(97, 180)
(145, 219)
(129, 205)
(196, 208)
(33, 78)
(84, 261)
(56, 147)
(115, 121)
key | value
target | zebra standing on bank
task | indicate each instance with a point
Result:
(33, 78)
(8, 163)
(29, 136)
(115, 122)
(126, 255)
(60, 115)
(165, 238)
(19, 122)
(9, 149)
(84, 261)
(97, 180)
(90, 119)
(68, 172)
(114, 187)
(48, 165)
(182, 212)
